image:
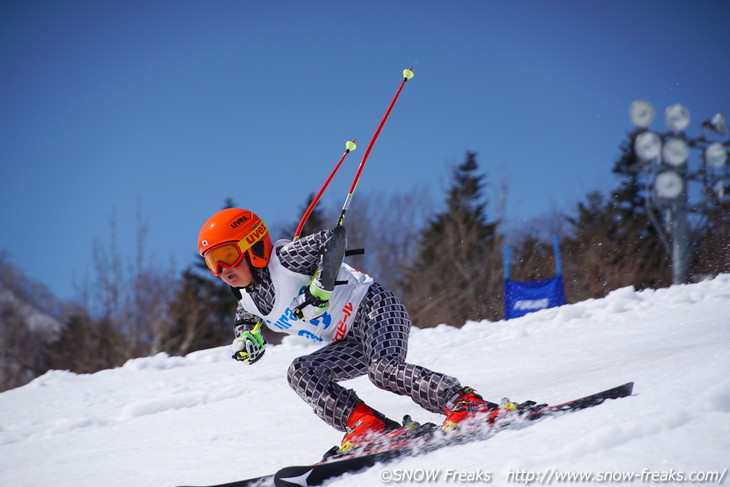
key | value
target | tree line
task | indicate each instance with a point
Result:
(443, 258)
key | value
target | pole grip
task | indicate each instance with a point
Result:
(332, 258)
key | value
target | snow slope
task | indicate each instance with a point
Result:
(163, 421)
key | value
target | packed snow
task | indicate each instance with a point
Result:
(204, 418)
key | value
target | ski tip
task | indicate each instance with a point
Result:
(295, 475)
(623, 390)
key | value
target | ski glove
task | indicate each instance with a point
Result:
(249, 346)
(313, 302)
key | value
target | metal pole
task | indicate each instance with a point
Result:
(679, 228)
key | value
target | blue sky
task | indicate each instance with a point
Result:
(114, 109)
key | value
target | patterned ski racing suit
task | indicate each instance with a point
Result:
(376, 341)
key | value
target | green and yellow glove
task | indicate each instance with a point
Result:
(249, 346)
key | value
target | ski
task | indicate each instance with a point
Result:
(316, 474)
(263, 481)
(426, 439)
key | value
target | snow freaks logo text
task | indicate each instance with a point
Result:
(551, 475)
(423, 475)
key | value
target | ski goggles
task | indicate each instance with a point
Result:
(226, 255)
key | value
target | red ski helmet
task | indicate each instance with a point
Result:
(232, 234)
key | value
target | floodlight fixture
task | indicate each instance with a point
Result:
(675, 152)
(718, 123)
(641, 113)
(665, 161)
(647, 145)
(715, 155)
(676, 117)
(668, 185)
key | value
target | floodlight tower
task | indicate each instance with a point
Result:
(664, 158)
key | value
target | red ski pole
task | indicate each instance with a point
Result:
(407, 74)
(349, 147)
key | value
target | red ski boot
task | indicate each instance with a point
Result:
(368, 427)
(466, 405)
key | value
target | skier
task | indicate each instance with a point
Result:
(363, 327)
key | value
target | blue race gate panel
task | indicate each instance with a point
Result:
(522, 297)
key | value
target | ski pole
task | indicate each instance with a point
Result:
(333, 259)
(407, 74)
(349, 147)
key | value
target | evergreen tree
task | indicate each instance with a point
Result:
(711, 254)
(609, 249)
(87, 345)
(201, 313)
(629, 217)
(533, 259)
(455, 276)
(631, 191)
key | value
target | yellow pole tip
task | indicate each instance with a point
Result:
(350, 145)
(408, 73)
